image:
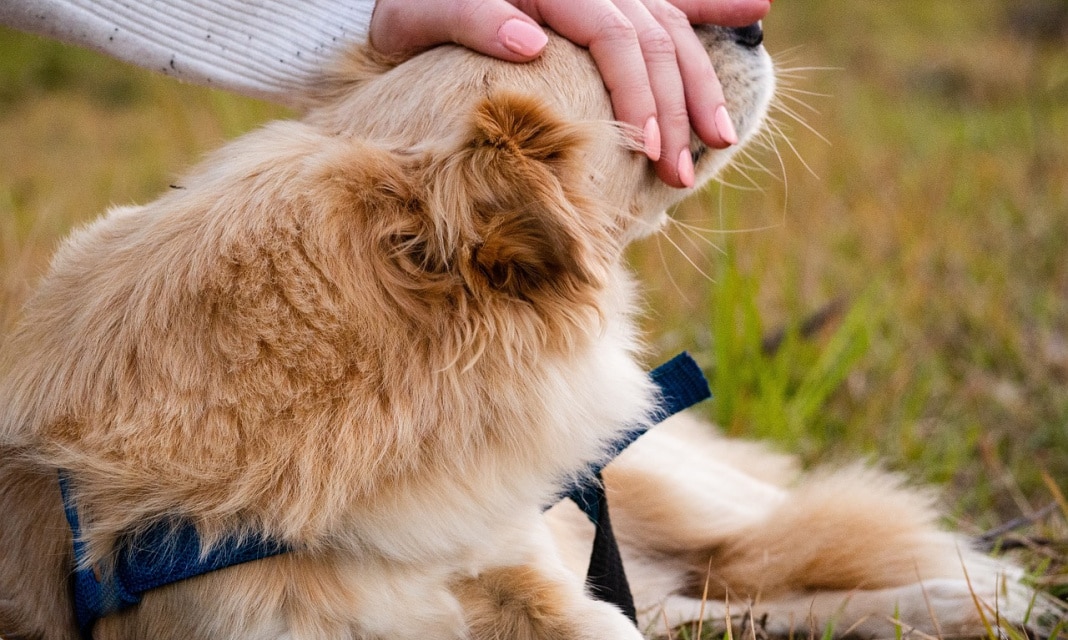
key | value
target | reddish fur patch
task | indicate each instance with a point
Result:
(517, 603)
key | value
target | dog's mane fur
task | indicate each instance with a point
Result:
(307, 303)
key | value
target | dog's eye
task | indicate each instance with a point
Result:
(698, 153)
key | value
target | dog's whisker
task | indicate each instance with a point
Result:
(687, 258)
(754, 164)
(744, 170)
(793, 115)
(788, 52)
(785, 88)
(699, 242)
(773, 124)
(668, 270)
(795, 99)
(792, 72)
(768, 135)
(744, 164)
(726, 232)
(693, 237)
(751, 187)
(703, 244)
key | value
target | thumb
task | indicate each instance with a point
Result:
(492, 27)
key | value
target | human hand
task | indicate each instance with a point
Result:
(652, 63)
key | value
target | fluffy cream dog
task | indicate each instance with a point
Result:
(384, 336)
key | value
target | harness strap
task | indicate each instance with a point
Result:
(681, 385)
(164, 553)
(170, 551)
(605, 577)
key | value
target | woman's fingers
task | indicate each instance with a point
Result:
(494, 27)
(654, 66)
(727, 13)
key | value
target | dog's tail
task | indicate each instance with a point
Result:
(868, 535)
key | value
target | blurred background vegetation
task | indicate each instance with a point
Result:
(915, 199)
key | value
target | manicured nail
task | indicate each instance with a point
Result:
(652, 139)
(725, 126)
(685, 168)
(522, 37)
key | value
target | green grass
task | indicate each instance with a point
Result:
(79, 133)
(934, 200)
(939, 206)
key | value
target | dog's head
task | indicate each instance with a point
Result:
(428, 99)
(522, 178)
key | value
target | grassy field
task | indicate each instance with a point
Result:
(928, 189)
(925, 194)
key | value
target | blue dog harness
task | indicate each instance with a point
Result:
(166, 552)
(169, 552)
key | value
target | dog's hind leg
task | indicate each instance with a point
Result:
(35, 556)
(681, 487)
(678, 493)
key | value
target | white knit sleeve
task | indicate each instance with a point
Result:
(269, 49)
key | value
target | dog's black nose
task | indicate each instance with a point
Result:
(750, 36)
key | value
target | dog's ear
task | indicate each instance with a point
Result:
(530, 222)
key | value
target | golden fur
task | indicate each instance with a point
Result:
(385, 335)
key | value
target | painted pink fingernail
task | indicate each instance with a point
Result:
(725, 126)
(652, 139)
(685, 168)
(522, 37)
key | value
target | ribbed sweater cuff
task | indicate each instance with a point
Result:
(270, 49)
